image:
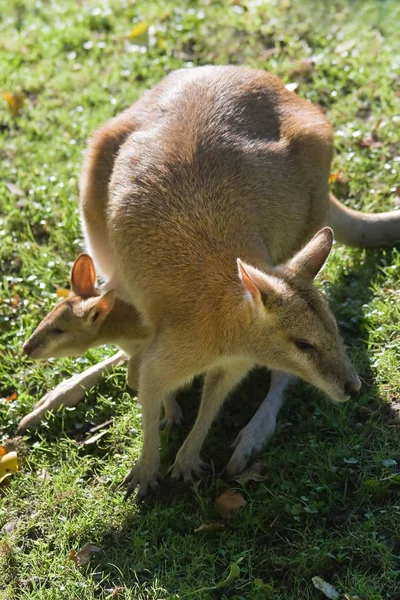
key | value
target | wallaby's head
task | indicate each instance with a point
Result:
(74, 324)
(291, 325)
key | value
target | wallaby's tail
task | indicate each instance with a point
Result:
(360, 229)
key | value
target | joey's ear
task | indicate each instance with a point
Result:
(310, 259)
(83, 277)
(101, 309)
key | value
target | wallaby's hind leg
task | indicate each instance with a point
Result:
(100, 156)
(71, 391)
(258, 431)
(217, 385)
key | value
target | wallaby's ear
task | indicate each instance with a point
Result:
(310, 260)
(261, 289)
(249, 284)
(83, 277)
(101, 309)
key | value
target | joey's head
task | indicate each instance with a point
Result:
(292, 327)
(74, 324)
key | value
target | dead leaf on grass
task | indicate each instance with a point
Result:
(84, 555)
(8, 464)
(12, 396)
(256, 472)
(302, 68)
(228, 502)
(44, 476)
(369, 141)
(326, 588)
(15, 102)
(139, 32)
(14, 189)
(116, 592)
(206, 527)
(9, 527)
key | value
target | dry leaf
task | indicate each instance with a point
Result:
(228, 502)
(11, 397)
(62, 293)
(326, 588)
(209, 527)
(44, 476)
(302, 68)
(369, 141)
(8, 463)
(253, 473)
(83, 556)
(15, 102)
(116, 592)
(3, 451)
(14, 189)
(138, 30)
(9, 527)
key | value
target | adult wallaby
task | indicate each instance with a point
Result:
(87, 319)
(196, 205)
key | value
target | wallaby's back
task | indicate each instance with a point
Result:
(228, 163)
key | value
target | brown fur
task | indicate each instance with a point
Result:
(218, 164)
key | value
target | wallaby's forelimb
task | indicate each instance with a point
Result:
(258, 431)
(72, 390)
(217, 386)
(145, 472)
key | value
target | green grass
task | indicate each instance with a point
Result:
(329, 507)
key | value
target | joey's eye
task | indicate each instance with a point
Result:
(57, 331)
(305, 346)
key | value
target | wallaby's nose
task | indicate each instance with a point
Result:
(27, 348)
(352, 387)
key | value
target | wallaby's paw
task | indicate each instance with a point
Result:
(188, 468)
(173, 416)
(248, 443)
(143, 478)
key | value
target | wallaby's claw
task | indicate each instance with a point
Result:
(138, 477)
(187, 470)
(237, 464)
(173, 415)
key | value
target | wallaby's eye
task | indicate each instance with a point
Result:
(305, 346)
(57, 331)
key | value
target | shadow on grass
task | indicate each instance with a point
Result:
(263, 535)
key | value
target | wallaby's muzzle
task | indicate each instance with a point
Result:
(353, 386)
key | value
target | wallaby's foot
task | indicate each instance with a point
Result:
(144, 478)
(248, 443)
(173, 415)
(67, 393)
(188, 467)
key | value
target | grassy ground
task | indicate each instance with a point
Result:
(330, 505)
